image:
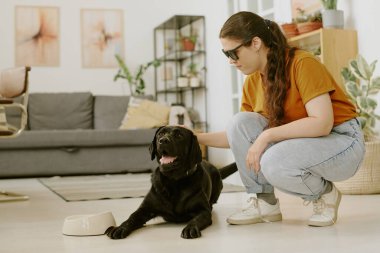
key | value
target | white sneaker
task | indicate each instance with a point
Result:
(326, 209)
(258, 211)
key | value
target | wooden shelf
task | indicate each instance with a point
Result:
(337, 47)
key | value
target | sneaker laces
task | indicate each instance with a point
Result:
(319, 206)
(254, 203)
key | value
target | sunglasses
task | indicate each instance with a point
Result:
(232, 53)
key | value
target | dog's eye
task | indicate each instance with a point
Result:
(177, 134)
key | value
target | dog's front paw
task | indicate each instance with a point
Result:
(191, 231)
(117, 232)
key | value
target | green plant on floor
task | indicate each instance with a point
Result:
(361, 87)
(136, 82)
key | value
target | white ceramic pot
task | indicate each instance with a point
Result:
(182, 82)
(333, 19)
(194, 82)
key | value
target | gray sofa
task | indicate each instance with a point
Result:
(75, 134)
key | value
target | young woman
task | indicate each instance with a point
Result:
(296, 131)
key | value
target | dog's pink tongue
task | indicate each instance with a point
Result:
(167, 159)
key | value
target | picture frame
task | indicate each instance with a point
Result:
(37, 36)
(102, 37)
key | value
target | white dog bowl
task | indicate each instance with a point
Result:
(89, 224)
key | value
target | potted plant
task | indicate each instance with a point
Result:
(307, 23)
(331, 17)
(136, 82)
(188, 42)
(192, 73)
(361, 87)
(290, 29)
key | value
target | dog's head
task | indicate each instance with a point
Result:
(177, 151)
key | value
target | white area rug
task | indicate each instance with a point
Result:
(78, 188)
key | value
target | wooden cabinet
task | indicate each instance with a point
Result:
(179, 43)
(335, 47)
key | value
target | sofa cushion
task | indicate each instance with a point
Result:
(60, 111)
(72, 139)
(109, 111)
(143, 113)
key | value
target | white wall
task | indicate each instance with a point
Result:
(140, 17)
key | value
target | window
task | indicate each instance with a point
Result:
(264, 8)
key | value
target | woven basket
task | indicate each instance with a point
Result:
(367, 178)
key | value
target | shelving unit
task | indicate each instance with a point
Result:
(172, 81)
(337, 47)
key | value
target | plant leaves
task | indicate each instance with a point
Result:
(353, 90)
(127, 74)
(372, 66)
(136, 82)
(347, 75)
(374, 86)
(364, 68)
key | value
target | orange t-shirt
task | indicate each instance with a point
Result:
(308, 79)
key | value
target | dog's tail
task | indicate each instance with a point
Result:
(228, 170)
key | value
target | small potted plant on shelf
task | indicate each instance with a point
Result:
(188, 42)
(331, 17)
(307, 23)
(136, 82)
(362, 87)
(290, 29)
(193, 75)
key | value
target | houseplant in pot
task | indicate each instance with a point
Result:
(188, 42)
(136, 82)
(308, 23)
(193, 75)
(362, 87)
(331, 17)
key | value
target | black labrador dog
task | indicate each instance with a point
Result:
(184, 187)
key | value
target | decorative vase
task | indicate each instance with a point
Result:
(333, 19)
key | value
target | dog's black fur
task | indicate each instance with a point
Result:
(184, 187)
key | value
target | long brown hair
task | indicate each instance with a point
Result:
(245, 26)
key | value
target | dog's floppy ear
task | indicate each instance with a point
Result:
(195, 151)
(153, 146)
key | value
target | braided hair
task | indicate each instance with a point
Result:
(247, 25)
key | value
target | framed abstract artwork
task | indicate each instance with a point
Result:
(36, 36)
(102, 37)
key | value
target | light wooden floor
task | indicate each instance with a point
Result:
(35, 226)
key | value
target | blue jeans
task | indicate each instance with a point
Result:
(303, 166)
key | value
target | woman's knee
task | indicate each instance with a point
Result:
(272, 171)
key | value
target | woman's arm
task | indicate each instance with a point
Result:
(319, 122)
(215, 139)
